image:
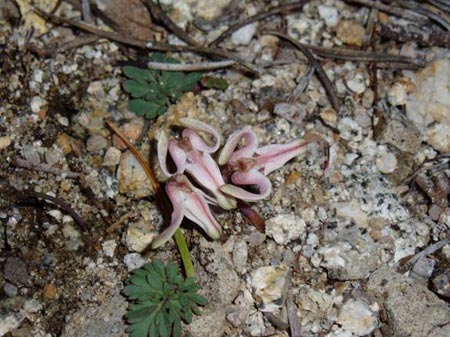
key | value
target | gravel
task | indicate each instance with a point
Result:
(370, 191)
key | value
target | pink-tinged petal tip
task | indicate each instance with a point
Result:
(229, 152)
(272, 157)
(197, 142)
(252, 177)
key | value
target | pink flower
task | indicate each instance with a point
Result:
(250, 165)
(191, 154)
(190, 202)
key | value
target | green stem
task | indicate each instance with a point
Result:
(184, 252)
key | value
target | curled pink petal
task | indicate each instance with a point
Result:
(179, 156)
(272, 157)
(177, 197)
(205, 171)
(162, 148)
(187, 201)
(228, 153)
(197, 210)
(197, 142)
(196, 207)
(252, 177)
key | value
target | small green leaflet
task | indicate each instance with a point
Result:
(152, 91)
(160, 299)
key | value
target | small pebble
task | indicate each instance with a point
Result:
(131, 131)
(32, 306)
(422, 270)
(36, 104)
(356, 316)
(269, 285)
(386, 163)
(112, 157)
(441, 284)
(15, 271)
(50, 292)
(240, 255)
(5, 141)
(397, 95)
(244, 35)
(38, 74)
(10, 289)
(96, 143)
(139, 235)
(329, 14)
(132, 177)
(109, 247)
(284, 228)
(133, 261)
(73, 237)
(350, 32)
(357, 84)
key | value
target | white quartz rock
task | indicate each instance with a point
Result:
(269, 285)
(244, 35)
(284, 228)
(357, 316)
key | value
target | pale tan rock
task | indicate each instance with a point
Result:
(269, 285)
(430, 101)
(131, 130)
(352, 210)
(428, 106)
(357, 316)
(5, 141)
(350, 32)
(139, 235)
(112, 157)
(386, 163)
(397, 94)
(132, 17)
(132, 178)
(438, 136)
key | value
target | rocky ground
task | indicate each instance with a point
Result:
(343, 219)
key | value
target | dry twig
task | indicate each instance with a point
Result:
(241, 23)
(159, 14)
(362, 56)
(427, 251)
(439, 17)
(120, 38)
(64, 206)
(428, 38)
(45, 168)
(73, 44)
(318, 68)
(400, 12)
(199, 66)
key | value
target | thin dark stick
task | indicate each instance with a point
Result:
(361, 55)
(318, 68)
(65, 207)
(440, 4)
(113, 36)
(428, 38)
(418, 8)
(294, 323)
(427, 251)
(401, 13)
(198, 66)
(159, 14)
(241, 23)
(73, 44)
(45, 168)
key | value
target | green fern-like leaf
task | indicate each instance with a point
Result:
(160, 299)
(153, 91)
